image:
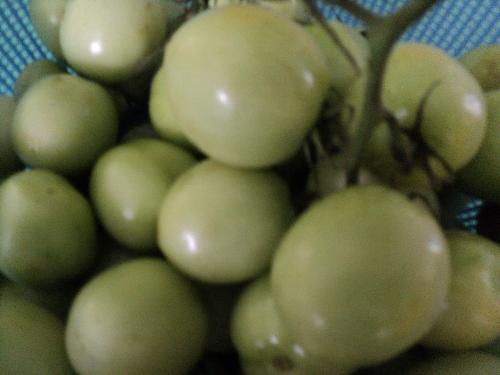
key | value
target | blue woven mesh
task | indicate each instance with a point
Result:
(454, 25)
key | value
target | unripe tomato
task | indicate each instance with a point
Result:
(32, 73)
(484, 64)
(46, 16)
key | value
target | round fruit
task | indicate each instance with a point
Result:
(484, 64)
(140, 317)
(219, 224)
(481, 176)
(245, 84)
(46, 16)
(161, 113)
(361, 276)
(468, 363)
(472, 317)
(64, 123)
(47, 230)
(128, 184)
(31, 339)
(109, 40)
(32, 73)
(263, 342)
(9, 161)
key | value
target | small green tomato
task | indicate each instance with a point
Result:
(140, 317)
(32, 73)
(484, 64)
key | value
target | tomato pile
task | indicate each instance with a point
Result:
(190, 201)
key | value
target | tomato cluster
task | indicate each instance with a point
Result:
(186, 196)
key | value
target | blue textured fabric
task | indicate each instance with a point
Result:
(454, 25)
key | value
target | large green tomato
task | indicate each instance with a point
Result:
(33, 72)
(484, 64)
(47, 229)
(245, 84)
(263, 342)
(467, 363)
(472, 317)
(481, 176)
(9, 161)
(128, 184)
(64, 123)
(46, 16)
(137, 318)
(161, 113)
(109, 40)
(31, 339)
(341, 69)
(219, 224)
(361, 276)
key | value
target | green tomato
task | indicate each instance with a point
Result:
(161, 113)
(484, 64)
(472, 317)
(468, 363)
(219, 224)
(110, 40)
(263, 342)
(33, 72)
(361, 276)
(31, 338)
(341, 69)
(47, 230)
(127, 186)
(9, 161)
(481, 176)
(46, 16)
(137, 318)
(245, 84)
(64, 123)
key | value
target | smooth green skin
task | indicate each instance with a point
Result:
(128, 184)
(468, 363)
(109, 40)
(361, 276)
(472, 317)
(32, 73)
(481, 176)
(47, 229)
(295, 9)
(454, 121)
(263, 342)
(220, 224)
(46, 16)
(484, 64)
(341, 69)
(31, 339)
(161, 114)
(137, 318)
(266, 82)
(64, 123)
(9, 161)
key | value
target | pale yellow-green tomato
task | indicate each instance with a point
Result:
(32, 73)
(341, 69)
(31, 338)
(127, 186)
(140, 317)
(47, 229)
(245, 84)
(161, 114)
(467, 363)
(263, 342)
(64, 123)
(46, 16)
(361, 276)
(481, 176)
(108, 40)
(219, 224)
(9, 161)
(484, 64)
(472, 317)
